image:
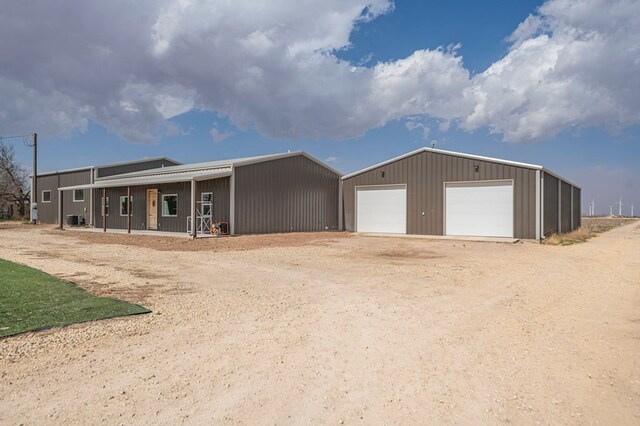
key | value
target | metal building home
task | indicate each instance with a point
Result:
(436, 192)
(266, 194)
(79, 203)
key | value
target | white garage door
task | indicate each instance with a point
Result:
(382, 209)
(479, 209)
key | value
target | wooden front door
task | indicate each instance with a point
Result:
(152, 209)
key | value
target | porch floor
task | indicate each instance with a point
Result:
(139, 232)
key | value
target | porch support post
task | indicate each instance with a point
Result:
(537, 205)
(340, 209)
(232, 202)
(542, 206)
(92, 216)
(128, 209)
(60, 209)
(104, 209)
(193, 209)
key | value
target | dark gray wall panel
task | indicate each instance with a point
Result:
(565, 208)
(425, 174)
(550, 204)
(285, 195)
(48, 212)
(133, 167)
(577, 208)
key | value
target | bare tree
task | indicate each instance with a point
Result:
(14, 180)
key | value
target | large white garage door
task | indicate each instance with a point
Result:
(479, 209)
(381, 209)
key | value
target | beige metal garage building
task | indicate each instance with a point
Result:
(436, 192)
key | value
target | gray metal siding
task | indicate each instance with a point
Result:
(577, 208)
(425, 174)
(285, 195)
(219, 187)
(133, 167)
(565, 207)
(48, 212)
(550, 205)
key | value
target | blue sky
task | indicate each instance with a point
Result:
(595, 148)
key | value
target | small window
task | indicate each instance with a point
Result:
(123, 205)
(105, 207)
(46, 196)
(170, 205)
(207, 204)
(78, 195)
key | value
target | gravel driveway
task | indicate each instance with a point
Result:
(331, 328)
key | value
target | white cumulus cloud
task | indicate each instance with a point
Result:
(272, 66)
(574, 64)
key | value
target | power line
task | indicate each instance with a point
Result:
(14, 136)
(26, 139)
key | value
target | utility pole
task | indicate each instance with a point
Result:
(611, 210)
(631, 210)
(34, 194)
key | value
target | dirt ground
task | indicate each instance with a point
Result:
(332, 328)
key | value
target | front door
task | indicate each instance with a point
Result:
(152, 209)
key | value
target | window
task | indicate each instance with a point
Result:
(170, 205)
(78, 195)
(46, 196)
(207, 204)
(105, 207)
(123, 205)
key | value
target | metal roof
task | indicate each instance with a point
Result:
(186, 172)
(178, 176)
(100, 166)
(234, 162)
(463, 155)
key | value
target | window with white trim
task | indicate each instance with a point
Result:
(105, 207)
(78, 195)
(46, 196)
(123, 205)
(170, 205)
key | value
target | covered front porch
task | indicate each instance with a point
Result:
(197, 203)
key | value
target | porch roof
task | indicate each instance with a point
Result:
(170, 177)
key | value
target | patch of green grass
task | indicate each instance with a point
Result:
(32, 300)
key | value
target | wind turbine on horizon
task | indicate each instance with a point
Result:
(619, 207)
